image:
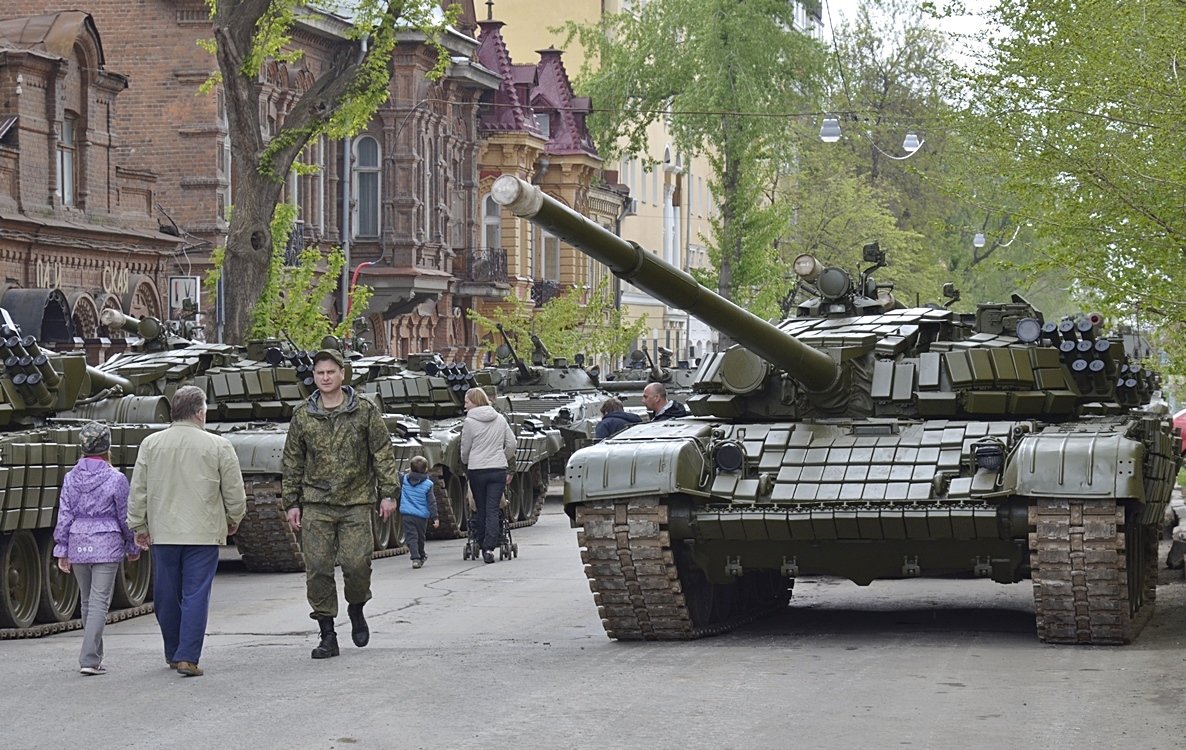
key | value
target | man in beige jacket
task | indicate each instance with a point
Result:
(186, 497)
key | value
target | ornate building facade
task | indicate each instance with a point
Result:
(77, 233)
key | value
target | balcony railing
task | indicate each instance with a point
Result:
(487, 266)
(543, 290)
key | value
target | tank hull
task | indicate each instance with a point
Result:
(828, 498)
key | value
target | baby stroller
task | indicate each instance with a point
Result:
(506, 545)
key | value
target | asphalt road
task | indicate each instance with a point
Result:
(512, 655)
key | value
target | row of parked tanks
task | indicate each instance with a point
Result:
(46, 397)
(864, 440)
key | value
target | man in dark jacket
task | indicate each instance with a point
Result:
(336, 452)
(654, 396)
(614, 419)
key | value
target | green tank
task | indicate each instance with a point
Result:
(866, 441)
(560, 396)
(38, 445)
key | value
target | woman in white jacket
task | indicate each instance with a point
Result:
(487, 449)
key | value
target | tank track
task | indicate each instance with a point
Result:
(50, 628)
(645, 590)
(264, 539)
(450, 528)
(1094, 572)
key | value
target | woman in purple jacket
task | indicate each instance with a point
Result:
(92, 536)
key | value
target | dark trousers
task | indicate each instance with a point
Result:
(415, 533)
(487, 486)
(182, 576)
(336, 534)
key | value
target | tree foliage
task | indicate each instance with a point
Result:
(1078, 110)
(565, 325)
(341, 100)
(722, 75)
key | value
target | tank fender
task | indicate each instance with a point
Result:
(628, 469)
(1076, 464)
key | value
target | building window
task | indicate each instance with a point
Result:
(366, 187)
(543, 122)
(67, 161)
(547, 264)
(491, 224)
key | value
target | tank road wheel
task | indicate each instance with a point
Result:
(381, 529)
(133, 583)
(59, 591)
(1094, 570)
(20, 579)
(265, 540)
(521, 496)
(645, 591)
(397, 532)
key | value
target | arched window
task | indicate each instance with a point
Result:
(366, 187)
(67, 159)
(491, 224)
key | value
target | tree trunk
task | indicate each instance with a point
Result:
(248, 252)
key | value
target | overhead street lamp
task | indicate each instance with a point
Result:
(830, 132)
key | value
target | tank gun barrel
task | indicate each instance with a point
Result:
(101, 379)
(812, 368)
(146, 328)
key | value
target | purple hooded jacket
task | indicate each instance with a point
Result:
(93, 515)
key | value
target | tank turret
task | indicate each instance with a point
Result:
(863, 440)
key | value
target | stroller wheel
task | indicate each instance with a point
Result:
(515, 550)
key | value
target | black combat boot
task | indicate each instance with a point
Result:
(329, 639)
(359, 632)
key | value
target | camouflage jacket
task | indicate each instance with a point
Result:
(337, 456)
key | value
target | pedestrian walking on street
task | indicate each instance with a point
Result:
(337, 452)
(654, 396)
(614, 419)
(92, 537)
(487, 450)
(418, 508)
(187, 497)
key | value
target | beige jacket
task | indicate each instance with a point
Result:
(487, 441)
(186, 487)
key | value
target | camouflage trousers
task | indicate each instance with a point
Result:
(336, 534)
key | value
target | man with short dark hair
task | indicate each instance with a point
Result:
(336, 452)
(187, 496)
(654, 396)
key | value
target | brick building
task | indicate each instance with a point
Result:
(76, 228)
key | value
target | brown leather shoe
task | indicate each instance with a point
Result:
(172, 664)
(189, 669)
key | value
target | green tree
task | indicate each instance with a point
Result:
(292, 303)
(1078, 111)
(565, 326)
(723, 75)
(342, 99)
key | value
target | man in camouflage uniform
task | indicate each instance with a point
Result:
(336, 453)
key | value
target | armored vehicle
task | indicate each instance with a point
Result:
(677, 379)
(866, 441)
(37, 448)
(561, 396)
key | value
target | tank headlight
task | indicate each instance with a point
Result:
(729, 457)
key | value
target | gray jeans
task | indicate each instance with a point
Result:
(96, 581)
